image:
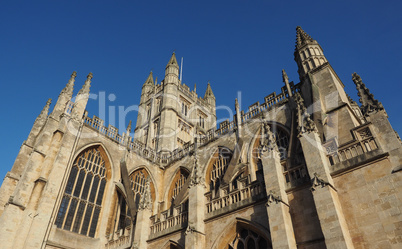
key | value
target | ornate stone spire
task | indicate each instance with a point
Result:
(45, 111)
(302, 38)
(146, 198)
(305, 124)
(369, 103)
(85, 88)
(150, 80)
(68, 90)
(208, 92)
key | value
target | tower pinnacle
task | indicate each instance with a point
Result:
(150, 79)
(369, 103)
(302, 38)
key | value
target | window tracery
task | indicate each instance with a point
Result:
(81, 204)
(219, 168)
(248, 239)
(138, 180)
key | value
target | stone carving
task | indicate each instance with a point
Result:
(369, 103)
(146, 198)
(196, 176)
(190, 230)
(305, 123)
(273, 198)
(316, 181)
(268, 139)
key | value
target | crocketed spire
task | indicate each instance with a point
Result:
(369, 103)
(85, 88)
(45, 111)
(68, 90)
(302, 38)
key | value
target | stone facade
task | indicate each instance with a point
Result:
(307, 168)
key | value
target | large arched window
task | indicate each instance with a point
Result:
(82, 200)
(219, 166)
(139, 180)
(177, 183)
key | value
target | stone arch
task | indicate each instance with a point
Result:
(85, 191)
(137, 183)
(219, 153)
(255, 142)
(170, 244)
(176, 178)
(231, 231)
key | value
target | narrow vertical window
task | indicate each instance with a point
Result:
(81, 204)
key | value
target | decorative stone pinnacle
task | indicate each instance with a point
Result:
(90, 76)
(129, 127)
(369, 103)
(73, 75)
(236, 104)
(302, 38)
(305, 123)
(285, 77)
(45, 111)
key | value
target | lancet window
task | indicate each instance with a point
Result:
(82, 200)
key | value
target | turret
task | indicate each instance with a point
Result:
(144, 108)
(64, 97)
(172, 71)
(308, 53)
(82, 99)
(209, 96)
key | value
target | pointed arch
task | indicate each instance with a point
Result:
(242, 231)
(282, 134)
(84, 192)
(138, 178)
(216, 167)
(170, 244)
(177, 182)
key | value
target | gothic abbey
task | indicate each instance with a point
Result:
(306, 168)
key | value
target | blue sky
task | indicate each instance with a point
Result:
(237, 45)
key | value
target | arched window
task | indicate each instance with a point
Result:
(219, 167)
(138, 180)
(248, 239)
(81, 204)
(177, 183)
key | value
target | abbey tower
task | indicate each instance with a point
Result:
(307, 167)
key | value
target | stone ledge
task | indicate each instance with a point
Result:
(357, 162)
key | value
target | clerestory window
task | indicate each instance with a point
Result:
(82, 200)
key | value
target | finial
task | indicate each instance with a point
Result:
(236, 104)
(73, 75)
(90, 76)
(195, 87)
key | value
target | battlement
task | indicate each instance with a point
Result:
(164, 158)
